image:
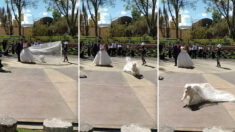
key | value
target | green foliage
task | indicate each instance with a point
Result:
(135, 40)
(56, 14)
(41, 38)
(135, 14)
(216, 16)
(27, 130)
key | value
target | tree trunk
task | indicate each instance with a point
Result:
(177, 24)
(19, 22)
(96, 21)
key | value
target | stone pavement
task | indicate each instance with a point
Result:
(172, 112)
(34, 92)
(111, 98)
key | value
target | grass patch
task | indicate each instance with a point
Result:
(27, 130)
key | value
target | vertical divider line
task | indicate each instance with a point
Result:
(158, 94)
(79, 124)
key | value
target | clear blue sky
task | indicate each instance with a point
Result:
(32, 13)
(189, 15)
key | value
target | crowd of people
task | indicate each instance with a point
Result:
(190, 52)
(194, 51)
(112, 49)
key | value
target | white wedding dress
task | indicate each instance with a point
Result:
(102, 58)
(26, 55)
(131, 67)
(184, 60)
(197, 93)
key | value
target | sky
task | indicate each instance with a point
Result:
(190, 15)
(33, 13)
(111, 12)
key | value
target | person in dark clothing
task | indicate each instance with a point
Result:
(5, 47)
(218, 53)
(19, 47)
(169, 51)
(89, 49)
(143, 54)
(65, 51)
(175, 53)
(13, 48)
(132, 51)
(95, 49)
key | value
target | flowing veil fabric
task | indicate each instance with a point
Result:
(184, 60)
(51, 48)
(205, 92)
(50, 53)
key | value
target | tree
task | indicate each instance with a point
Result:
(17, 7)
(69, 10)
(175, 6)
(164, 22)
(6, 20)
(135, 14)
(216, 16)
(56, 15)
(95, 5)
(224, 7)
(148, 9)
(85, 19)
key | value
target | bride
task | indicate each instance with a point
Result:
(184, 60)
(102, 58)
(26, 55)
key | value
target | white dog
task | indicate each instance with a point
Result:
(131, 67)
(203, 92)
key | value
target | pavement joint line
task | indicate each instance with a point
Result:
(67, 87)
(146, 88)
(218, 83)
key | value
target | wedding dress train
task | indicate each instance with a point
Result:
(203, 92)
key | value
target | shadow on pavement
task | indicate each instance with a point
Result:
(4, 71)
(200, 106)
(150, 66)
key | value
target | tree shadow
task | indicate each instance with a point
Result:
(201, 105)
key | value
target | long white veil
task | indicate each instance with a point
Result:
(49, 53)
(51, 48)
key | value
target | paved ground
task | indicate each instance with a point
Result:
(33, 92)
(172, 112)
(111, 98)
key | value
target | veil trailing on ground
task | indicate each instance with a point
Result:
(50, 53)
(204, 92)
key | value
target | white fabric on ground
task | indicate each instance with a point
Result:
(197, 93)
